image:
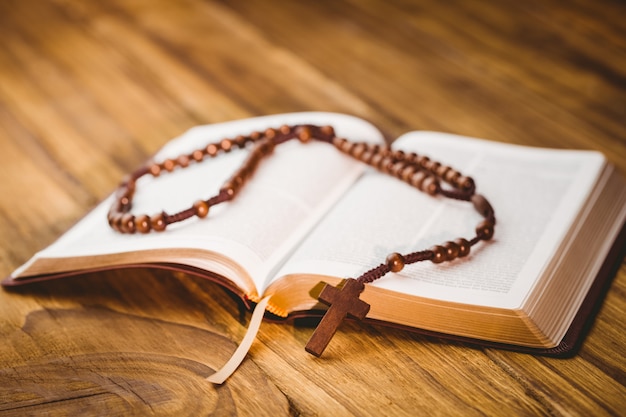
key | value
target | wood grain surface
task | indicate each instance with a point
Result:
(90, 89)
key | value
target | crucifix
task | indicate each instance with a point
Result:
(342, 301)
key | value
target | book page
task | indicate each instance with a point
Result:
(536, 194)
(283, 200)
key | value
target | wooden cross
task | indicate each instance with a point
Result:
(342, 302)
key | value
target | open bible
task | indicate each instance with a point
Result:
(310, 213)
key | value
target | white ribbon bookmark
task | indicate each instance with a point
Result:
(240, 353)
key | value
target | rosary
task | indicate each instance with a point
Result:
(417, 170)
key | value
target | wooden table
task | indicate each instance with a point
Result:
(90, 89)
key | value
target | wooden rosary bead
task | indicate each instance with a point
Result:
(232, 186)
(286, 129)
(411, 158)
(337, 142)
(255, 135)
(439, 254)
(484, 230)
(127, 223)
(169, 165)
(197, 155)
(157, 222)
(385, 164)
(417, 179)
(358, 150)
(124, 203)
(142, 223)
(482, 206)
(366, 157)
(376, 159)
(155, 170)
(211, 150)
(408, 172)
(119, 221)
(346, 146)
(115, 220)
(270, 133)
(423, 161)
(465, 183)
(228, 190)
(201, 209)
(183, 161)
(452, 250)
(431, 185)
(464, 247)
(226, 145)
(305, 134)
(328, 130)
(442, 171)
(433, 167)
(397, 168)
(452, 176)
(240, 141)
(395, 262)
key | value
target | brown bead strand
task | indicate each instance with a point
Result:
(395, 262)
(443, 172)
(122, 221)
(416, 170)
(424, 174)
(390, 162)
(262, 149)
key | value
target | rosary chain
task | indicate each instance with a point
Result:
(418, 171)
